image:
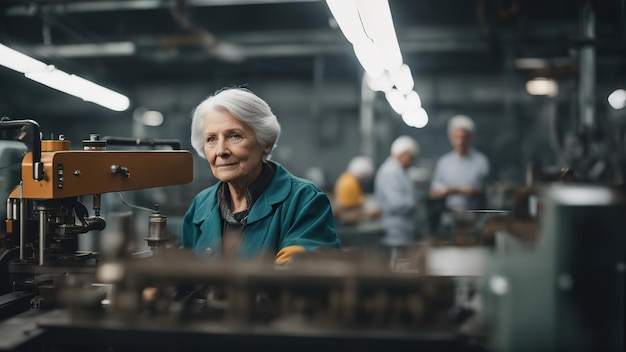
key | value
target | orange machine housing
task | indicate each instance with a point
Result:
(69, 173)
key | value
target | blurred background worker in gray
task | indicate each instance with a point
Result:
(395, 195)
(460, 174)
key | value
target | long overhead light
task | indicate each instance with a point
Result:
(86, 50)
(368, 26)
(402, 78)
(378, 26)
(68, 83)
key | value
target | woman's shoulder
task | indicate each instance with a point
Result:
(296, 182)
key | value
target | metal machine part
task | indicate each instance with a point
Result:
(157, 230)
(70, 174)
(173, 143)
(565, 291)
(73, 173)
(323, 299)
(94, 143)
(46, 216)
(177, 301)
(29, 130)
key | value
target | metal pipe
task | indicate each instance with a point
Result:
(42, 236)
(9, 209)
(96, 204)
(34, 143)
(173, 143)
(586, 93)
(22, 224)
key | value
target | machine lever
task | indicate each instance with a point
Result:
(29, 129)
(96, 223)
(175, 144)
(89, 222)
(120, 170)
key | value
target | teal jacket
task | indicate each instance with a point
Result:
(291, 212)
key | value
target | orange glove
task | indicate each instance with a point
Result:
(285, 254)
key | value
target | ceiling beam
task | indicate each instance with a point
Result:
(130, 5)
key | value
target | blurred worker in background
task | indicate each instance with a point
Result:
(395, 195)
(258, 206)
(460, 174)
(349, 197)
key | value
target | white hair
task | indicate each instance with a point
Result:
(461, 121)
(361, 166)
(244, 106)
(404, 144)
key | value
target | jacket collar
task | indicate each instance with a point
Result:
(275, 193)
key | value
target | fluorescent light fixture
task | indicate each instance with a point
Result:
(531, 63)
(347, 16)
(368, 25)
(542, 86)
(68, 83)
(379, 84)
(413, 101)
(402, 78)
(378, 25)
(417, 118)
(582, 195)
(17, 61)
(148, 117)
(617, 99)
(369, 59)
(396, 100)
(153, 118)
(86, 50)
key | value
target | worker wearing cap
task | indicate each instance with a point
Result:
(460, 174)
(350, 199)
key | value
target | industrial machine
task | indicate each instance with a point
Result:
(562, 288)
(46, 214)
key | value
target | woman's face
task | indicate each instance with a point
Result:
(232, 149)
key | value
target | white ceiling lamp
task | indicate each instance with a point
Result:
(617, 99)
(85, 50)
(348, 18)
(417, 118)
(542, 86)
(382, 83)
(402, 78)
(396, 100)
(347, 15)
(17, 61)
(369, 58)
(68, 83)
(368, 25)
(378, 25)
(413, 100)
(148, 117)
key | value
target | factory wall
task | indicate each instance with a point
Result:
(321, 123)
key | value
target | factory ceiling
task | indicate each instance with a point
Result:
(127, 43)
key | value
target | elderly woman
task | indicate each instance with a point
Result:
(258, 207)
